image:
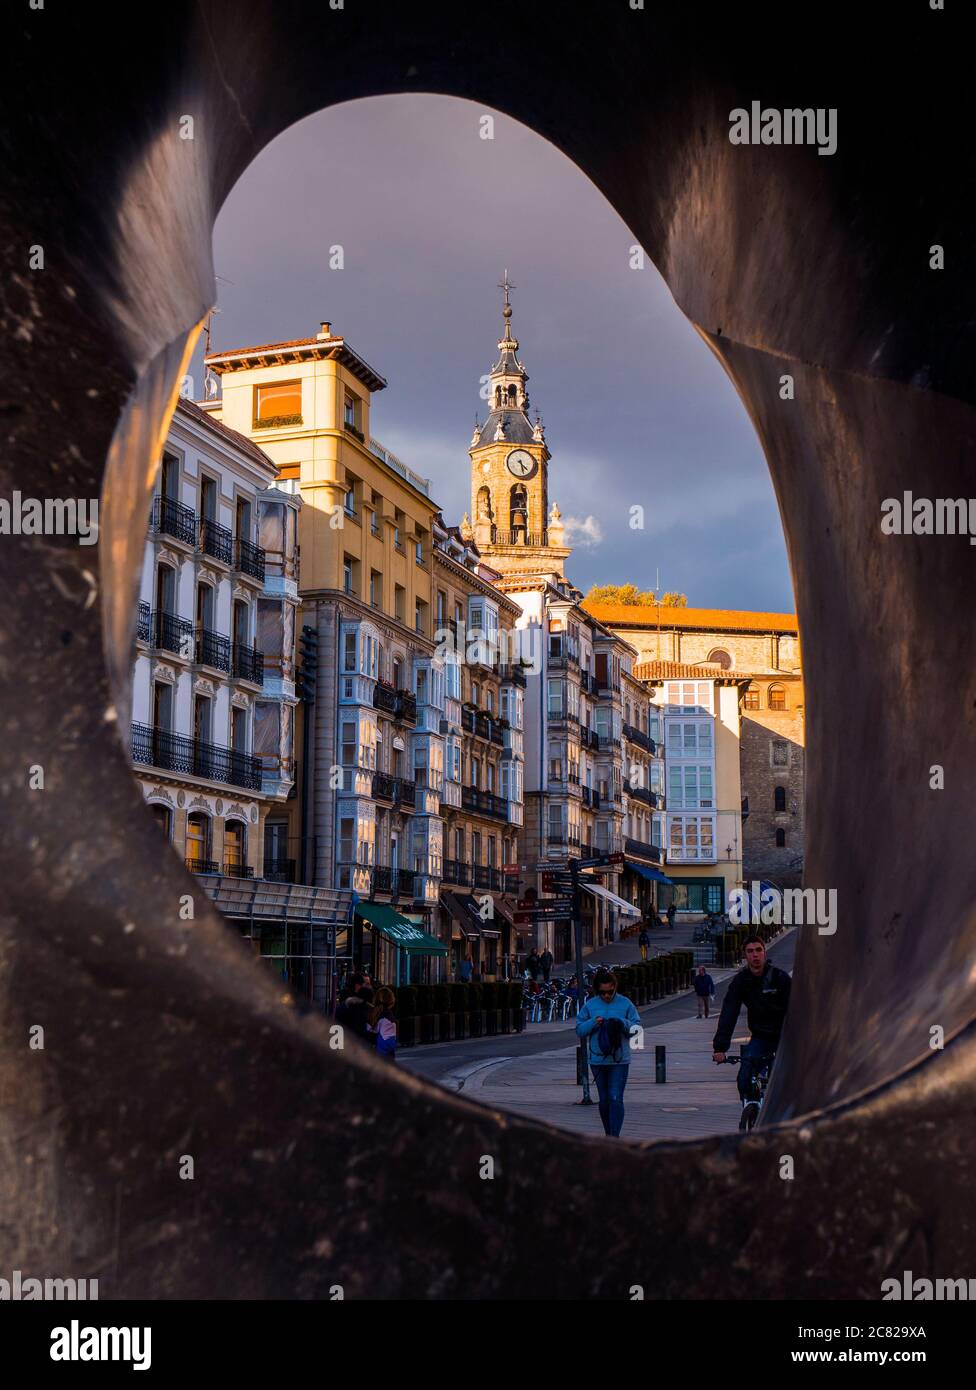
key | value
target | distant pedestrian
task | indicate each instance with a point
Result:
(353, 1012)
(704, 990)
(534, 965)
(382, 1023)
(643, 942)
(465, 970)
(608, 1021)
(671, 914)
(545, 961)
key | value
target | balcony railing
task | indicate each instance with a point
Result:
(144, 623)
(520, 537)
(586, 680)
(213, 649)
(169, 633)
(280, 870)
(560, 658)
(406, 707)
(386, 879)
(250, 559)
(639, 738)
(216, 541)
(640, 793)
(203, 866)
(248, 663)
(512, 675)
(177, 753)
(234, 869)
(385, 698)
(486, 802)
(458, 872)
(640, 850)
(171, 518)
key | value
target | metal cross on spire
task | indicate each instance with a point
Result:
(506, 285)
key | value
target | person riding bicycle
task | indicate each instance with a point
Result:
(765, 991)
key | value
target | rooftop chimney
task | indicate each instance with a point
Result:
(326, 331)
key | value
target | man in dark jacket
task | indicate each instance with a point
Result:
(765, 991)
(704, 989)
(353, 1012)
(545, 964)
(534, 965)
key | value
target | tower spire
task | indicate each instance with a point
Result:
(506, 285)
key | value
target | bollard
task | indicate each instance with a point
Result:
(660, 1064)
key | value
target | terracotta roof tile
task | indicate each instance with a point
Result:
(709, 619)
(674, 670)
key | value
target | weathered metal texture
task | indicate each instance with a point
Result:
(315, 1167)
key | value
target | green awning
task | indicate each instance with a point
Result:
(395, 927)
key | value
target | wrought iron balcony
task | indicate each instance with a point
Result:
(512, 675)
(216, 541)
(280, 870)
(642, 740)
(385, 698)
(234, 869)
(386, 879)
(640, 793)
(144, 623)
(169, 633)
(250, 559)
(176, 753)
(248, 663)
(213, 649)
(487, 803)
(458, 872)
(384, 787)
(171, 518)
(406, 707)
(639, 850)
(203, 866)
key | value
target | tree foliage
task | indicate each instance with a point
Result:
(630, 594)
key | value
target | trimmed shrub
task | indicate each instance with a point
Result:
(406, 1002)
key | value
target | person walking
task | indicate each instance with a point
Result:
(704, 990)
(534, 965)
(643, 942)
(465, 970)
(382, 1023)
(545, 963)
(671, 914)
(608, 1021)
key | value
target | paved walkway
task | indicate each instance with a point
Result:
(698, 1098)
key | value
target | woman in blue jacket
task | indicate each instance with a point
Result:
(609, 1020)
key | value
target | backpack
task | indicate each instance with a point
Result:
(610, 1038)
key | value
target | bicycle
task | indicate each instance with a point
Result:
(760, 1080)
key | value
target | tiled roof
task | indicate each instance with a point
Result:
(677, 670)
(240, 441)
(707, 619)
(270, 347)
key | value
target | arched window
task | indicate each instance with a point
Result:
(512, 395)
(518, 508)
(484, 501)
(498, 397)
(235, 848)
(198, 843)
(777, 697)
(781, 839)
(720, 657)
(163, 817)
(779, 799)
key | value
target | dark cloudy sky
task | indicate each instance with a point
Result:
(637, 411)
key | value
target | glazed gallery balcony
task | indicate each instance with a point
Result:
(176, 753)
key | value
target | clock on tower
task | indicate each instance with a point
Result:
(511, 520)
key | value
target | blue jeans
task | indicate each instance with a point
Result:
(755, 1052)
(610, 1082)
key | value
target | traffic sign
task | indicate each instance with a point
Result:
(528, 919)
(543, 904)
(555, 883)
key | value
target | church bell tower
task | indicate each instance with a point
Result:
(511, 521)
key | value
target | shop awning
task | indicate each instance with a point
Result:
(654, 875)
(395, 927)
(464, 910)
(621, 904)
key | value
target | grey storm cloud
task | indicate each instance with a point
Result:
(637, 410)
